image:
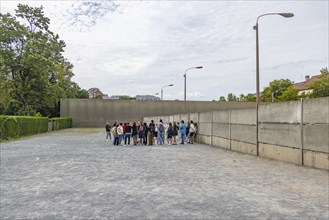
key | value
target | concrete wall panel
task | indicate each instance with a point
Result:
(316, 159)
(205, 117)
(316, 111)
(243, 147)
(204, 128)
(244, 133)
(221, 116)
(221, 130)
(194, 117)
(280, 134)
(316, 137)
(243, 116)
(281, 112)
(221, 142)
(205, 139)
(279, 153)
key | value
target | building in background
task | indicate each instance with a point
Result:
(303, 87)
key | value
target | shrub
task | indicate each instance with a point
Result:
(61, 123)
(19, 126)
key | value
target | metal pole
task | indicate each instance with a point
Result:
(185, 91)
(161, 93)
(257, 65)
(257, 86)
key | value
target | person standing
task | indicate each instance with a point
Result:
(169, 134)
(182, 132)
(175, 133)
(161, 132)
(141, 133)
(151, 132)
(156, 131)
(120, 133)
(192, 132)
(134, 133)
(146, 132)
(127, 133)
(115, 134)
(108, 131)
(188, 131)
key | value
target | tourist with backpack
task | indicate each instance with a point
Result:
(115, 134)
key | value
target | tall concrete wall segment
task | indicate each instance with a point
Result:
(95, 112)
(296, 132)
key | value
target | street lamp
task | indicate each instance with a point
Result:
(286, 15)
(197, 67)
(162, 90)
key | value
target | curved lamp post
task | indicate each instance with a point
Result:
(286, 15)
(162, 90)
(197, 67)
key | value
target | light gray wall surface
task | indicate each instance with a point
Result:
(295, 126)
(95, 112)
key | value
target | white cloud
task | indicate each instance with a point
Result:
(136, 47)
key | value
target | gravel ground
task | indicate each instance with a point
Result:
(75, 174)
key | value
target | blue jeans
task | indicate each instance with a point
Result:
(161, 137)
(120, 139)
(183, 138)
(127, 136)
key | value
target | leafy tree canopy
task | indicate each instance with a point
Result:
(34, 74)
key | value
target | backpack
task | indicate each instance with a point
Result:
(161, 127)
(141, 128)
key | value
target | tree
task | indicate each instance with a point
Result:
(95, 93)
(222, 99)
(232, 98)
(83, 94)
(277, 87)
(321, 87)
(250, 98)
(290, 94)
(126, 97)
(37, 75)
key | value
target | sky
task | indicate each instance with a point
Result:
(138, 47)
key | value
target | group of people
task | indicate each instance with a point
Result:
(142, 133)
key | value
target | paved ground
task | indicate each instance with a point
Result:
(75, 174)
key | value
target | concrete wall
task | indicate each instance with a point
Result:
(95, 112)
(295, 132)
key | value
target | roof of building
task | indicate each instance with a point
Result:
(305, 84)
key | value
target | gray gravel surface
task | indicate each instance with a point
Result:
(75, 174)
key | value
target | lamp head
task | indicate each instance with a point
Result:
(287, 15)
(199, 67)
(171, 85)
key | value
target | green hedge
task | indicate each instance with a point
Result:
(19, 126)
(60, 123)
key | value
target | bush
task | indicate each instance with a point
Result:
(19, 126)
(60, 123)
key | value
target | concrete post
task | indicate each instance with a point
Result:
(257, 145)
(301, 133)
(229, 128)
(212, 128)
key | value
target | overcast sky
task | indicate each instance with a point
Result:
(137, 47)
